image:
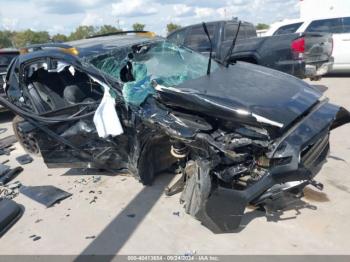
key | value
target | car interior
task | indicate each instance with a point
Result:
(50, 90)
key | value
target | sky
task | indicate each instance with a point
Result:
(63, 16)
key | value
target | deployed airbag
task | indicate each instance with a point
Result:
(106, 118)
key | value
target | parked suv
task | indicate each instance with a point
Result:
(338, 26)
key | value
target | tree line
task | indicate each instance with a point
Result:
(23, 38)
(19, 39)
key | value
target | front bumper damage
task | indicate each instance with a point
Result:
(297, 158)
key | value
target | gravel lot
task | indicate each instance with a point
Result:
(127, 218)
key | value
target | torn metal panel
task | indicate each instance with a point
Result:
(10, 213)
(46, 195)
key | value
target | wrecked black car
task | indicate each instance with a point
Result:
(240, 134)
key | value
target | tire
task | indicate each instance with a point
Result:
(221, 210)
(27, 141)
(197, 188)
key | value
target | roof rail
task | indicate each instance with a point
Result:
(118, 33)
(37, 47)
(48, 45)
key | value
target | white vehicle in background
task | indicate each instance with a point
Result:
(338, 26)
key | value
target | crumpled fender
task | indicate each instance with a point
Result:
(342, 118)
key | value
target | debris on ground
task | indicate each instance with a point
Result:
(131, 215)
(10, 175)
(35, 237)
(87, 180)
(46, 195)
(7, 141)
(90, 237)
(24, 159)
(14, 185)
(82, 181)
(96, 179)
(3, 130)
(93, 200)
(176, 213)
(3, 169)
(38, 220)
(10, 213)
(10, 191)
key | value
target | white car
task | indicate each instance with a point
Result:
(338, 26)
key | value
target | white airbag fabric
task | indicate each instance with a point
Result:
(106, 118)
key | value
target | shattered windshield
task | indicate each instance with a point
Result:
(139, 68)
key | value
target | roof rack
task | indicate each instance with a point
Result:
(119, 33)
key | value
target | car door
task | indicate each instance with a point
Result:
(72, 141)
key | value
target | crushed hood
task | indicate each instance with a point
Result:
(244, 92)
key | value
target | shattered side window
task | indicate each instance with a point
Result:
(112, 63)
(144, 65)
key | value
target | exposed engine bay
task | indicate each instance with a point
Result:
(233, 146)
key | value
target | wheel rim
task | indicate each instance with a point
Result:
(28, 141)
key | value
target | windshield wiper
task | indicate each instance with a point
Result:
(229, 53)
(211, 47)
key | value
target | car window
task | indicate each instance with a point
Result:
(177, 37)
(288, 29)
(198, 40)
(334, 25)
(5, 59)
(161, 62)
(251, 32)
(231, 29)
(346, 25)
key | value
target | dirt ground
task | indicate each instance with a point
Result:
(117, 215)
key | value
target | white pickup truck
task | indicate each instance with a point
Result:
(338, 26)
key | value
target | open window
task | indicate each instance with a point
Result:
(52, 85)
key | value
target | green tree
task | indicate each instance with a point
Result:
(107, 29)
(59, 38)
(82, 32)
(27, 37)
(138, 27)
(262, 26)
(6, 39)
(172, 27)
